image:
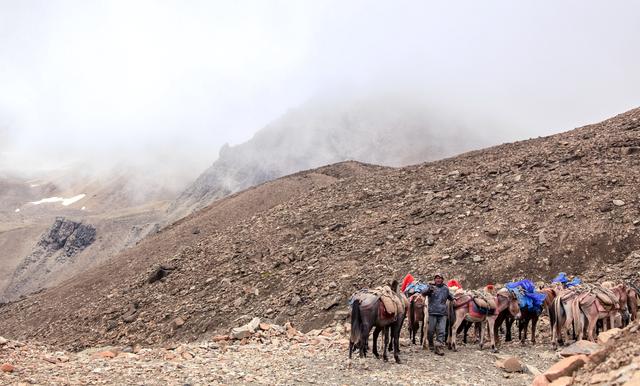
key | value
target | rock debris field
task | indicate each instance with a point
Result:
(275, 355)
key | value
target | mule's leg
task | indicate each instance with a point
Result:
(465, 331)
(481, 333)
(364, 338)
(376, 332)
(454, 328)
(523, 330)
(491, 322)
(410, 327)
(385, 332)
(421, 333)
(591, 322)
(534, 322)
(395, 340)
(508, 325)
(350, 348)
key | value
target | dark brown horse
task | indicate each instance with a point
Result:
(368, 311)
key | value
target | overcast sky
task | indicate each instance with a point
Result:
(174, 80)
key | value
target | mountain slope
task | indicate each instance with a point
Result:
(566, 202)
(29, 208)
(372, 130)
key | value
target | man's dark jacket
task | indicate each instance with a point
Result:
(437, 295)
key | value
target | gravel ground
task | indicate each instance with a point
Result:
(301, 359)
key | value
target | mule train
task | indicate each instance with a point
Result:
(447, 310)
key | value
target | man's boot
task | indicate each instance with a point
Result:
(430, 345)
(439, 350)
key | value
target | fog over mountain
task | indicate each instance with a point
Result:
(157, 88)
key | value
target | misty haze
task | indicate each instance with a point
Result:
(184, 185)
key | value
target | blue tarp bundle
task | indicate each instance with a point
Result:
(415, 287)
(563, 279)
(528, 297)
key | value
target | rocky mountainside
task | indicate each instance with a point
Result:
(319, 133)
(566, 202)
(56, 249)
(30, 205)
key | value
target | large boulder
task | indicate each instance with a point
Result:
(580, 347)
(604, 336)
(566, 367)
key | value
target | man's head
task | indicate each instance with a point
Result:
(438, 279)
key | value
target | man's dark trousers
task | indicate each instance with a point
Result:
(437, 326)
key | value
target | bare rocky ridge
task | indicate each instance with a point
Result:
(532, 208)
(320, 133)
(117, 214)
(54, 251)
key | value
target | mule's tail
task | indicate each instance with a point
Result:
(577, 317)
(558, 309)
(356, 321)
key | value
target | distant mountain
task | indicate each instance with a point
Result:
(294, 249)
(373, 130)
(102, 215)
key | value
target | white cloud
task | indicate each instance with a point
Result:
(169, 82)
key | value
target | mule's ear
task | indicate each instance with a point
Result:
(394, 285)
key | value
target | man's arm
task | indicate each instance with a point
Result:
(428, 291)
(449, 296)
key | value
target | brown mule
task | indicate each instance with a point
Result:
(589, 308)
(561, 314)
(464, 310)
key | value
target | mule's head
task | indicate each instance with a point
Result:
(622, 291)
(514, 305)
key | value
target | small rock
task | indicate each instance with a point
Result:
(618, 202)
(562, 381)
(340, 315)
(477, 259)
(295, 300)
(177, 323)
(540, 380)
(7, 368)
(105, 354)
(220, 338)
(529, 369)
(331, 302)
(50, 359)
(265, 326)
(511, 365)
(493, 232)
(62, 358)
(3, 341)
(254, 324)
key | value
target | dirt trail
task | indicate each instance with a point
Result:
(303, 359)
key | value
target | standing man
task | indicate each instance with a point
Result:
(438, 294)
